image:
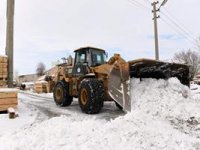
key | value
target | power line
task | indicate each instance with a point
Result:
(178, 26)
(143, 5)
(175, 18)
(176, 29)
(174, 24)
(134, 3)
(147, 1)
(139, 4)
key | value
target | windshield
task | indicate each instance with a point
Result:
(80, 57)
(98, 57)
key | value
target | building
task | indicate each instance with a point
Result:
(28, 78)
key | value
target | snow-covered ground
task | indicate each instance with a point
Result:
(165, 115)
(27, 116)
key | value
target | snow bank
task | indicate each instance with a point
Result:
(27, 116)
(48, 95)
(163, 116)
(164, 99)
(195, 90)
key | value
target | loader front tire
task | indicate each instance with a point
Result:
(61, 94)
(91, 96)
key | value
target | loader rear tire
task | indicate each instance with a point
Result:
(118, 106)
(91, 96)
(61, 94)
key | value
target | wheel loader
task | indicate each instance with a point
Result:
(93, 80)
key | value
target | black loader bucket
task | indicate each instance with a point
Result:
(147, 68)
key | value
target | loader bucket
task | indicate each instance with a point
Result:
(118, 86)
(147, 68)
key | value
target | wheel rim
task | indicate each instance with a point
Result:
(58, 94)
(84, 96)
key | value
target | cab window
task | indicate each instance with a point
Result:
(98, 57)
(80, 57)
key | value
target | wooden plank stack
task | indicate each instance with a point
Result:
(3, 71)
(41, 86)
(8, 98)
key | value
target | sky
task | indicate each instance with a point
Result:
(47, 30)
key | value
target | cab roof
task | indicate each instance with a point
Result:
(88, 47)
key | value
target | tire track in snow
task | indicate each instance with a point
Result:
(48, 109)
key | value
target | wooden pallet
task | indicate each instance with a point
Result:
(3, 79)
(3, 82)
(3, 70)
(40, 87)
(8, 98)
(3, 76)
(3, 65)
(5, 107)
(3, 59)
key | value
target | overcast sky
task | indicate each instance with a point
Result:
(46, 30)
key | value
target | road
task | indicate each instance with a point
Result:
(48, 109)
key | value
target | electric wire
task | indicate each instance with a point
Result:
(133, 3)
(173, 24)
(178, 27)
(139, 4)
(175, 21)
(147, 1)
(178, 21)
(178, 24)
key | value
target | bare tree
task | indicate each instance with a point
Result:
(191, 58)
(40, 69)
(198, 43)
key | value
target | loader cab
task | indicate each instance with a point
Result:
(88, 57)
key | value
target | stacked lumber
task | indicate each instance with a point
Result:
(3, 71)
(8, 98)
(41, 86)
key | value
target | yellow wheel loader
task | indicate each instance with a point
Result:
(93, 80)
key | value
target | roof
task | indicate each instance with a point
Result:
(89, 47)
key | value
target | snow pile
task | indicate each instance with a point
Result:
(164, 99)
(164, 116)
(46, 95)
(195, 90)
(27, 116)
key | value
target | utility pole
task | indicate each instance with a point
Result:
(9, 40)
(155, 17)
